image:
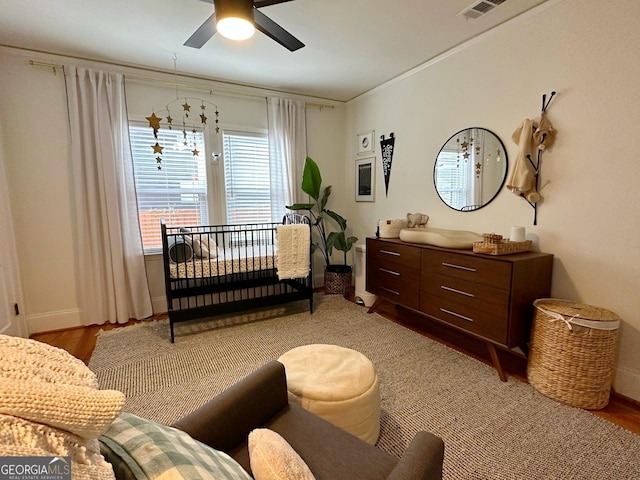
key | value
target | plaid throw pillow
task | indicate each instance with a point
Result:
(155, 451)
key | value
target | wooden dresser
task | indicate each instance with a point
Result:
(488, 297)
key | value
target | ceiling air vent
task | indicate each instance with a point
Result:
(478, 9)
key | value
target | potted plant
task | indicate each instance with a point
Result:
(337, 277)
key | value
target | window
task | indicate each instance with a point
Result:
(452, 179)
(177, 192)
(247, 177)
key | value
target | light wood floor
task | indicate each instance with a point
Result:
(622, 411)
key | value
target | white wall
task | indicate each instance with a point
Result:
(589, 217)
(11, 323)
(34, 118)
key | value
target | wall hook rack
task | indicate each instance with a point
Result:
(540, 136)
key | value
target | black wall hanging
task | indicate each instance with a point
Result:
(386, 149)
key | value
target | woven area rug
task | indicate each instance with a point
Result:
(491, 429)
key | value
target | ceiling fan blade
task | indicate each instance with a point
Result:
(266, 3)
(203, 33)
(275, 31)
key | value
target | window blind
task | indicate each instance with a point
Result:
(177, 192)
(247, 177)
(452, 179)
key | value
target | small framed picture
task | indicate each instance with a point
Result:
(366, 144)
(365, 179)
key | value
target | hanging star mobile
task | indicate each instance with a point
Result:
(189, 122)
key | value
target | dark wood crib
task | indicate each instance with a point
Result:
(219, 269)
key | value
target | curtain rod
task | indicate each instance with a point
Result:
(55, 67)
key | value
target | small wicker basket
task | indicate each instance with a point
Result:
(572, 352)
(494, 244)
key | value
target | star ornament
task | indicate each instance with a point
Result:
(154, 122)
(195, 152)
(203, 118)
(157, 148)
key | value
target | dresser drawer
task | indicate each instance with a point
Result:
(390, 272)
(387, 252)
(482, 297)
(491, 325)
(400, 290)
(467, 267)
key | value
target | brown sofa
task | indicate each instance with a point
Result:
(261, 400)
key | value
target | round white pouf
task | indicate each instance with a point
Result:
(337, 384)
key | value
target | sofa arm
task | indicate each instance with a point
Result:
(422, 460)
(226, 420)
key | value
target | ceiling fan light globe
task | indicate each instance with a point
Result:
(235, 28)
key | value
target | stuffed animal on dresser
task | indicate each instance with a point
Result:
(417, 220)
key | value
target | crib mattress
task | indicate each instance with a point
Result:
(228, 261)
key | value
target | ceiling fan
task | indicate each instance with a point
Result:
(247, 10)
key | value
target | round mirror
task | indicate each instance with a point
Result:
(470, 169)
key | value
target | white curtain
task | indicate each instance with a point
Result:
(287, 152)
(110, 269)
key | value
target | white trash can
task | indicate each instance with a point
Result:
(362, 296)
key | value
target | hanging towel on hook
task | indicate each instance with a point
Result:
(544, 133)
(528, 136)
(521, 178)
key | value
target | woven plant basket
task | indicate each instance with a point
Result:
(337, 283)
(572, 353)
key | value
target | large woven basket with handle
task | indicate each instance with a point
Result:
(572, 354)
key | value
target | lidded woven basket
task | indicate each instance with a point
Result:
(572, 352)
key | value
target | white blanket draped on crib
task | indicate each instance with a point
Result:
(293, 251)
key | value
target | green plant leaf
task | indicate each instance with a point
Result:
(325, 197)
(301, 206)
(311, 179)
(342, 223)
(334, 240)
(350, 242)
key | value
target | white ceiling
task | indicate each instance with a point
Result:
(351, 45)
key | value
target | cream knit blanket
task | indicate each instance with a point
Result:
(293, 251)
(50, 404)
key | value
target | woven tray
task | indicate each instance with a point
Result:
(496, 245)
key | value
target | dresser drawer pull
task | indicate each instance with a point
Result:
(449, 289)
(390, 291)
(456, 315)
(395, 254)
(459, 267)
(391, 272)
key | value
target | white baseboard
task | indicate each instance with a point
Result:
(50, 321)
(627, 383)
(65, 319)
(159, 304)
